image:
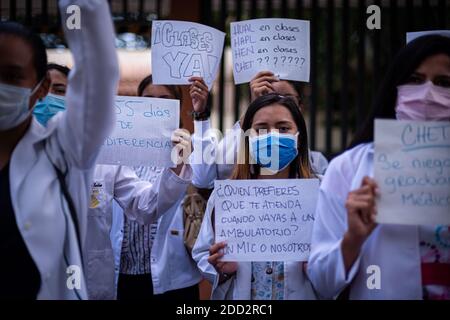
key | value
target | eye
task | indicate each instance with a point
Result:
(443, 82)
(60, 92)
(284, 129)
(415, 79)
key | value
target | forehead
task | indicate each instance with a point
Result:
(57, 76)
(437, 64)
(273, 113)
(16, 53)
(157, 90)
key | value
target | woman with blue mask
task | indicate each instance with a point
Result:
(45, 172)
(351, 254)
(49, 106)
(276, 148)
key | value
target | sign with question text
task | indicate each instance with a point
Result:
(265, 220)
(281, 46)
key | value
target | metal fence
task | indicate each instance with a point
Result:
(348, 60)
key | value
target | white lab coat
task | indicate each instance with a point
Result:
(71, 141)
(393, 248)
(141, 201)
(296, 283)
(172, 266)
(214, 159)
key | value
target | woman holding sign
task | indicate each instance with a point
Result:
(154, 262)
(205, 170)
(349, 250)
(271, 119)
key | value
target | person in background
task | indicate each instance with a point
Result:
(154, 261)
(59, 75)
(414, 261)
(45, 171)
(215, 159)
(277, 120)
(141, 201)
(52, 103)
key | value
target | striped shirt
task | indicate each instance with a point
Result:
(138, 239)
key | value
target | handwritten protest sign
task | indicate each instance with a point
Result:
(181, 50)
(412, 169)
(265, 220)
(142, 135)
(410, 36)
(278, 45)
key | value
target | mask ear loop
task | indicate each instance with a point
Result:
(35, 89)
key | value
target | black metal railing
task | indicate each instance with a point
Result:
(348, 60)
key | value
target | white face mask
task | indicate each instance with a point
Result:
(14, 105)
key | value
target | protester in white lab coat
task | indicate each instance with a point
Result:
(412, 262)
(281, 118)
(155, 263)
(142, 201)
(213, 158)
(42, 168)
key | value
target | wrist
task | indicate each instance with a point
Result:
(201, 115)
(352, 242)
(224, 276)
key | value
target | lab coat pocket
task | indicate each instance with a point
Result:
(100, 275)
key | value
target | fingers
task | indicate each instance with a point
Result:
(181, 135)
(216, 247)
(371, 183)
(213, 260)
(269, 79)
(198, 85)
(263, 74)
(215, 253)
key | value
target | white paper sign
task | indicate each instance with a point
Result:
(265, 220)
(278, 45)
(410, 36)
(181, 50)
(142, 135)
(412, 169)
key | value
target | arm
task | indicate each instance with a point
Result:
(205, 253)
(146, 202)
(326, 268)
(92, 83)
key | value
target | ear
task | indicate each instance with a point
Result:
(301, 106)
(42, 91)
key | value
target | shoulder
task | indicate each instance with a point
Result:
(341, 170)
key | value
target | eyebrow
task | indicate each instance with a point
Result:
(415, 73)
(59, 85)
(278, 123)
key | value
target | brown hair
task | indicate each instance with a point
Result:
(300, 167)
(174, 90)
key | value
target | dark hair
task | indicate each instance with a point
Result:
(35, 42)
(63, 69)
(300, 167)
(174, 90)
(403, 66)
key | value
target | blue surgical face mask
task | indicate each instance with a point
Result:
(274, 151)
(46, 108)
(14, 105)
